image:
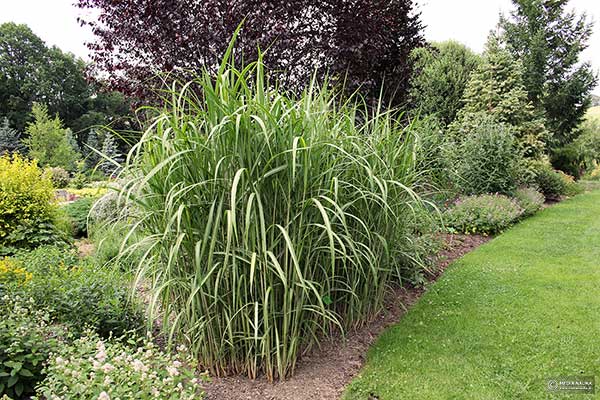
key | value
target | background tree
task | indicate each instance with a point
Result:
(48, 141)
(92, 145)
(363, 43)
(31, 72)
(440, 78)
(112, 158)
(496, 87)
(549, 41)
(22, 55)
(9, 138)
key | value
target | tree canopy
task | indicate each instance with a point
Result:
(31, 72)
(362, 43)
(496, 88)
(549, 40)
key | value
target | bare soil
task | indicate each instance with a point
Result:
(85, 247)
(324, 373)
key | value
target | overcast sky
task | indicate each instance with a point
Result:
(467, 21)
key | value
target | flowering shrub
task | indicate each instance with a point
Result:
(530, 200)
(91, 368)
(26, 340)
(12, 273)
(484, 214)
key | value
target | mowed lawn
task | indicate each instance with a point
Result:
(594, 112)
(504, 319)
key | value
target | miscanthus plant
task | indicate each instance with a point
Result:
(270, 221)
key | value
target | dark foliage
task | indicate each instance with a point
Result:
(362, 43)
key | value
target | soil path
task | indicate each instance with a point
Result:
(324, 373)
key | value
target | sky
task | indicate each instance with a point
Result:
(468, 21)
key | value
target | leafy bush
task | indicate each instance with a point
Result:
(568, 159)
(588, 143)
(430, 158)
(88, 191)
(484, 214)
(530, 200)
(26, 207)
(78, 294)
(442, 72)
(26, 341)
(91, 368)
(282, 219)
(550, 182)
(572, 188)
(484, 155)
(60, 177)
(594, 174)
(78, 212)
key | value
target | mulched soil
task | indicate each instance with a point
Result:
(324, 373)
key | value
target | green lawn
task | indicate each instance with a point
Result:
(503, 319)
(594, 112)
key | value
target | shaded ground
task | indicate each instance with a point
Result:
(324, 373)
(503, 320)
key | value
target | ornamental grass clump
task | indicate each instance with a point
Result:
(271, 221)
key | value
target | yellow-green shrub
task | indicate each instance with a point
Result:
(26, 203)
(11, 272)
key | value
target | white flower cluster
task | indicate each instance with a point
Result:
(92, 368)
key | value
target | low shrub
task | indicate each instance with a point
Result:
(91, 368)
(78, 212)
(530, 200)
(484, 214)
(484, 155)
(60, 177)
(26, 341)
(26, 205)
(79, 180)
(594, 174)
(551, 183)
(79, 294)
(88, 191)
(568, 159)
(572, 188)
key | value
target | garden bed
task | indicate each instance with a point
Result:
(324, 373)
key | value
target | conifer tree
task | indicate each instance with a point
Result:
(112, 157)
(496, 88)
(9, 138)
(549, 40)
(48, 141)
(92, 146)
